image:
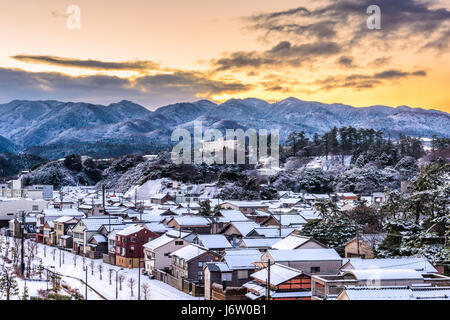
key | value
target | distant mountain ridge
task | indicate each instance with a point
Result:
(53, 129)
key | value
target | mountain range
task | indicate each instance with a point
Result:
(53, 129)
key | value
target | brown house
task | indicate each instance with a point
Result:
(363, 246)
(286, 284)
(61, 226)
(188, 262)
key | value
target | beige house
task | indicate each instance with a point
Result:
(157, 251)
(309, 261)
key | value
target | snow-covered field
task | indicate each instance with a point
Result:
(71, 275)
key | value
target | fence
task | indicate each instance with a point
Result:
(188, 287)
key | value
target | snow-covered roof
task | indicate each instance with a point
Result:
(385, 274)
(305, 255)
(214, 241)
(259, 242)
(290, 242)
(289, 219)
(158, 242)
(273, 232)
(233, 215)
(247, 204)
(189, 252)
(278, 274)
(99, 238)
(52, 212)
(242, 258)
(131, 229)
(192, 221)
(245, 227)
(421, 265)
(95, 223)
(63, 219)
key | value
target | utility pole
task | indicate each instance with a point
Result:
(22, 227)
(85, 288)
(268, 281)
(357, 241)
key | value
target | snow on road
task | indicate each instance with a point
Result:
(157, 289)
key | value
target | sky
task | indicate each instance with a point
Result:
(161, 52)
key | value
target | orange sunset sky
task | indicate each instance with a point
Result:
(161, 52)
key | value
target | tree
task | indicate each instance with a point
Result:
(121, 278)
(131, 284)
(205, 208)
(53, 253)
(75, 258)
(92, 264)
(25, 295)
(8, 283)
(110, 274)
(145, 291)
(100, 270)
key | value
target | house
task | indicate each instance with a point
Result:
(238, 229)
(293, 241)
(326, 286)
(215, 242)
(61, 226)
(195, 224)
(345, 196)
(187, 262)
(285, 283)
(157, 252)
(395, 293)
(86, 227)
(129, 245)
(420, 265)
(246, 207)
(233, 271)
(97, 245)
(309, 261)
(364, 245)
(271, 232)
(49, 233)
(262, 244)
(160, 198)
(286, 220)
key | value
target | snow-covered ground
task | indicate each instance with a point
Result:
(71, 273)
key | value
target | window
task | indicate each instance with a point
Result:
(226, 276)
(200, 264)
(315, 269)
(200, 275)
(133, 239)
(179, 243)
(35, 208)
(242, 274)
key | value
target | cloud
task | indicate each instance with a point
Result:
(138, 65)
(365, 81)
(150, 90)
(345, 21)
(284, 53)
(346, 61)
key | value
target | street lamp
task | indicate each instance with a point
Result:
(117, 273)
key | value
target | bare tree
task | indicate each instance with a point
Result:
(45, 251)
(83, 258)
(145, 291)
(100, 270)
(121, 278)
(54, 253)
(131, 284)
(62, 252)
(29, 256)
(92, 263)
(110, 274)
(75, 258)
